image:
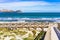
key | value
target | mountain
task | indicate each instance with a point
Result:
(5, 10)
(18, 11)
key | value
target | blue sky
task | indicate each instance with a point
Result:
(31, 5)
(29, 0)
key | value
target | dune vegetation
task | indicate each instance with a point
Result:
(17, 34)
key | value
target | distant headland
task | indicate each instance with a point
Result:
(6, 10)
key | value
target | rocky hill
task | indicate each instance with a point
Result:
(5, 10)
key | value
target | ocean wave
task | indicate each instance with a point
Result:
(29, 18)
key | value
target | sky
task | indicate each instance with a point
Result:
(31, 5)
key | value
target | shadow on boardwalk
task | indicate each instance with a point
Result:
(40, 36)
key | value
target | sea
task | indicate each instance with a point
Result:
(30, 16)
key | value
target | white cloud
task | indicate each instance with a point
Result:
(25, 3)
(31, 6)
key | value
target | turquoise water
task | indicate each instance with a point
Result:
(29, 15)
(13, 16)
